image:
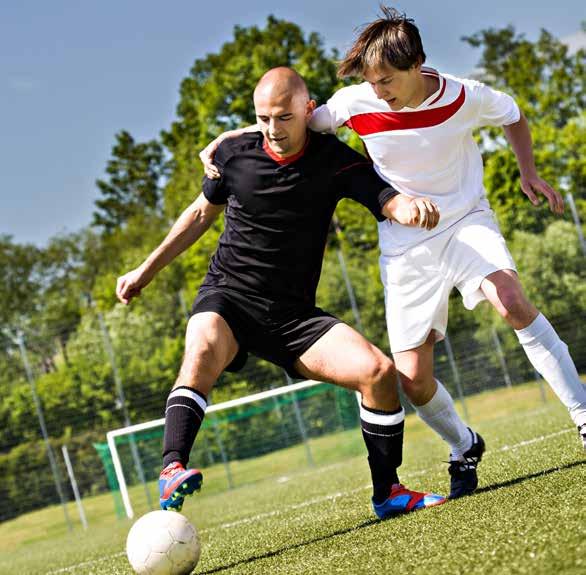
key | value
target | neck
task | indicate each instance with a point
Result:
(426, 86)
(289, 156)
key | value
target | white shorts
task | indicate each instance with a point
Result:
(418, 282)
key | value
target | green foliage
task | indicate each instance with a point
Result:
(135, 175)
(549, 85)
(147, 185)
(20, 283)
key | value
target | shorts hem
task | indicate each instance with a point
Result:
(440, 335)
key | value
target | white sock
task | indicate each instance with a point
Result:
(440, 414)
(550, 357)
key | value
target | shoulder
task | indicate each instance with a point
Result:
(472, 86)
(232, 147)
(329, 143)
(349, 94)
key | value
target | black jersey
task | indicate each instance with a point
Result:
(278, 213)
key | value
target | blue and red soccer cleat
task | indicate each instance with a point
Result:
(175, 483)
(403, 500)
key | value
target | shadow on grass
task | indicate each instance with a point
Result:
(370, 522)
(528, 477)
(289, 548)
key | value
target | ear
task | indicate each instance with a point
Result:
(310, 107)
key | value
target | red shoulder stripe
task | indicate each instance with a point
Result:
(374, 122)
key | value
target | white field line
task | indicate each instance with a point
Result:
(87, 563)
(333, 496)
(316, 500)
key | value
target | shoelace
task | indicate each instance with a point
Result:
(469, 464)
(171, 471)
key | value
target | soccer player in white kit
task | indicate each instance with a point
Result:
(417, 126)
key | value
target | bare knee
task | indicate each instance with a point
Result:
(416, 375)
(209, 348)
(378, 383)
(514, 307)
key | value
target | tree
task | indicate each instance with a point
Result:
(217, 94)
(549, 85)
(136, 173)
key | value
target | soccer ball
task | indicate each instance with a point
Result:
(163, 543)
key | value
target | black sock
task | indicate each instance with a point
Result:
(383, 435)
(183, 417)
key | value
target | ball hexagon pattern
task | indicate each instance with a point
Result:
(163, 543)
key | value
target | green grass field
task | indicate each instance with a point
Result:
(527, 516)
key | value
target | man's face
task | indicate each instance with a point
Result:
(399, 88)
(283, 120)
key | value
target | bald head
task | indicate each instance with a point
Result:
(281, 82)
(283, 110)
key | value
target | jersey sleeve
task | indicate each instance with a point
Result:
(330, 116)
(216, 191)
(356, 179)
(496, 108)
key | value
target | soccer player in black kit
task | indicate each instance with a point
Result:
(279, 189)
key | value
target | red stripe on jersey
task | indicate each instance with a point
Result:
(430, 72)
(440, 94)
(374, 122)
(283, 161)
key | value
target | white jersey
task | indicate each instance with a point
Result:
(425, 151)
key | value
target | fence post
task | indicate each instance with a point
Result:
(501, 355)
(122, 402)
(577, 222)
(41, 417)
(73, 482)
(300, 424)
(456, 375)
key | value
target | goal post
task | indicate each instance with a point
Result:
(311, 419)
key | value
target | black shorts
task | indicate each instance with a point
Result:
(279, 334)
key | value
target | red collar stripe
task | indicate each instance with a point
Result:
(375, 122)
(287, 160)
(440, 94)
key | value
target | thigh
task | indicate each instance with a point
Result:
(477, 250)
(417, 363)
(340, 356)
(504, 291)
(416, 295)
(286, 335)
(210, 348)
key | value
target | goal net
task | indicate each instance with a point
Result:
(305, 422)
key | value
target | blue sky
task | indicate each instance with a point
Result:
(72, 74)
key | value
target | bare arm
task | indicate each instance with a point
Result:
(207, 154)
(188, 228)
(519, 137)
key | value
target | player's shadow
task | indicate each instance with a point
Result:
(535, 475)
(288, 548)
(370, 522)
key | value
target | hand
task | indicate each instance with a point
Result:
(534, 185)
(207, 158)
(421, 212)
(130, 285)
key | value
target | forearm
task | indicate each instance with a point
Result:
(394, 208)
(188, 228)
(519, 137)
(237, 132)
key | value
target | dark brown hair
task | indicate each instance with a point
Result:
(392, 39)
